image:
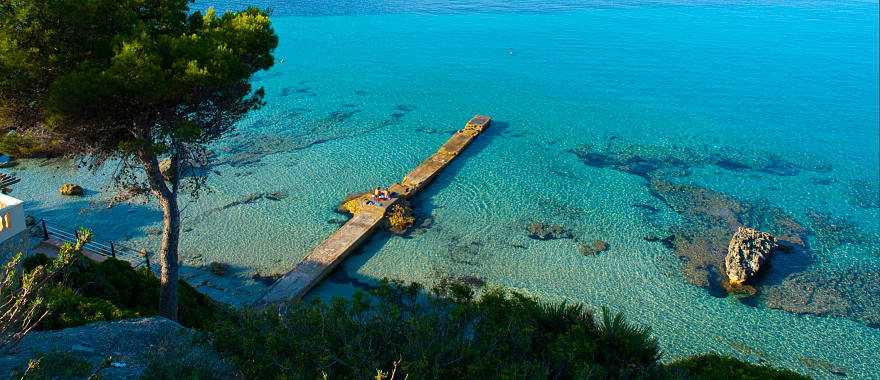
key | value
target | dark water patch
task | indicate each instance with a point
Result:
(779, 167)
(423, 224)
(667, 241)
(667, 161)
(821, 365)
(361, 92)
(246, 200)
(743, 349)
(832, 232)
(645, 207)
(545, 231)
(463, 252)
(852, 293)
(865, 194)
(302, 91)
(822, 181)
(336, 221)
(728, 164)
(341, 276)
(405, 108)
(266, 279)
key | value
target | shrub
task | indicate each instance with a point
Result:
(502, 334)
(66, 308)
(173, 359)
(25, 145)
(87, 291)
(713, 366)
(55, 365)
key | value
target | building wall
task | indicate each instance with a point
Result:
(18, 243)
(14, 236)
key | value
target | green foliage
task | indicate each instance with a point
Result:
(88, 291)
(23, 145)
(67, 308)
(715, 367)
(190, 359)
(110, 74)
(500, 335)
(55, 365)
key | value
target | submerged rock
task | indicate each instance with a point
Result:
(276, 195)
(70, 189)
(543, 231)
(593, 249)
(746, 254)
(852, 293)
(218, 268)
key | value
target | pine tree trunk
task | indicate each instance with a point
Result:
(168, 257)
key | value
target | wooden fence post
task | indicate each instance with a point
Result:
(45, 231)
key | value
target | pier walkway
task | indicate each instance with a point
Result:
(326, 256)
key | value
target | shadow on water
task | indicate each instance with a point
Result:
(121, 222)
(422, 202)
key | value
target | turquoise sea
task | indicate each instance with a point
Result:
(626, 122)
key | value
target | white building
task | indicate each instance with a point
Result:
(14, 235)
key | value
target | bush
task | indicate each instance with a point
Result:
(88, 291)
(55, 365)
(24, 145)
(190, 359)
(500, 335)
(713, 366)
(66, 308)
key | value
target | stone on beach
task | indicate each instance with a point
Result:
(71, 190)
(747, 252)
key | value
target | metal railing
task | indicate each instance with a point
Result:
(137, 258)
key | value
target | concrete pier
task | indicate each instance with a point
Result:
(325, 257)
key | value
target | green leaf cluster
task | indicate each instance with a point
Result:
(107, 75)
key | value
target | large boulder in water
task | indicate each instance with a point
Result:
(746, 253)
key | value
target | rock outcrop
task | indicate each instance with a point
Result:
(129, 343)
(71, 189)
(747, 252)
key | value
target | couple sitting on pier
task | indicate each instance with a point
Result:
(379, 195)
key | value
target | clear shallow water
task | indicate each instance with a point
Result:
(362, 92)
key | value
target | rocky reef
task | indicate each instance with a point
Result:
(710, 219)
(652, 161)
(851, 292)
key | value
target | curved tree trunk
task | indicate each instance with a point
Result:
(168, 257)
